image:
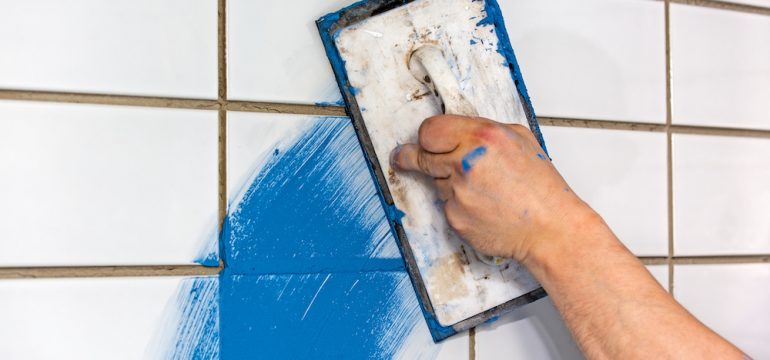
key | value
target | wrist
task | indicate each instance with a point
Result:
(581, 235)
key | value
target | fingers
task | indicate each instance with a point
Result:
(444, 133)
(411, 157)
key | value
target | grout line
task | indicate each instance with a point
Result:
(472, 343)
(281, 108)
(106, 271)
(725, 5)
(222, 117)
(104, 99)
(599, 124)
(669, 149)
(306, 109)
(723, 259)
(706, 259)
(222, 51)
(199, 270)
(654, 260)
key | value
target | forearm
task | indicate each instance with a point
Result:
(612, 305)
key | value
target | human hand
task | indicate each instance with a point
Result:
(502, 194)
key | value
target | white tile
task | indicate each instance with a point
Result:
(660, 273)
(599, 59)
(106, 185)
(106, 318)
(274, 51)
(720, 67)
(721, 195)
(622, 175)
(535, 331)
(731, 299)
(251, 140)
(134, 47)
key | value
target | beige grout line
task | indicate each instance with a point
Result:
(472, 343)
(306, 109)
(715, 259)
(106, 271)
(281, 108)
(725, 5)
(599, 124)
(669, 148)
(222, 115)
(723, 259)
(103, 99)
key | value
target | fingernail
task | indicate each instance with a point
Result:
(394, 156)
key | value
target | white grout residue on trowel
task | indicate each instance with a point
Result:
(376, 53)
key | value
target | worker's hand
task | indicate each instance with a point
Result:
(503, 196)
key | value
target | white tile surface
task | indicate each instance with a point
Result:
(731, 299)
(721, 195)
(134, 47)
(86, 318)
(274, 51)
(535, 331)
(660, 273)
(251, 139)
(720, 67)
(622, 175)
(599, 59)
(105, 185)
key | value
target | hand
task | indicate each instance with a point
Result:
(502, 194)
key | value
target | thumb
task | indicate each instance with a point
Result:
(411, 157)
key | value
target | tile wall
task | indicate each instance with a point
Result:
(130, 131)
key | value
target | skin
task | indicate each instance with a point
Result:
(508, 200)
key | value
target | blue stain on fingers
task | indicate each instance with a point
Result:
(541, 156)
(472, 157)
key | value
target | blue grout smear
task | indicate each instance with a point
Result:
(472, 157)
(364, 315)
(196, 335)
(312, 208)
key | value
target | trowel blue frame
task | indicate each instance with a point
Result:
(328, 26)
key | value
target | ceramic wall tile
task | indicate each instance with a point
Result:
(134, 47)
(110, 318)
(721, 197)
(107, 185)
(720, 67)
(731, 299)
(328, 315)
(622, 175)
(302, 198)
(535, 331)
(598, 59)
(274, 52)
(660, 273)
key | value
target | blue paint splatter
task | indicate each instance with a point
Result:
(313, 207)
(327, 315)
(541, 156)
(473, 42)
(194, 313)
(472, 157)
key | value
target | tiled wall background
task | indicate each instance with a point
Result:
(127, 128)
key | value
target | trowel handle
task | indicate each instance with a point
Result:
(429, 65)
